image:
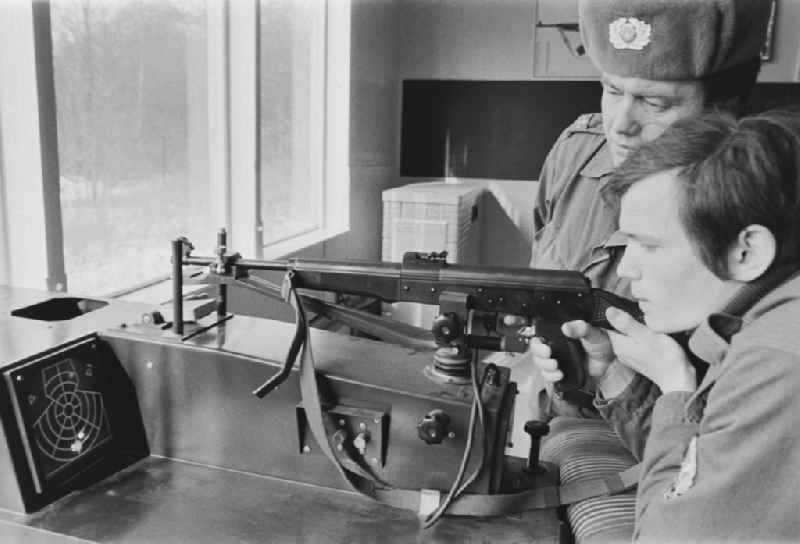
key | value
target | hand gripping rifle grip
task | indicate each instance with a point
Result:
(567, 351)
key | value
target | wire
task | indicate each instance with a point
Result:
(457, 488)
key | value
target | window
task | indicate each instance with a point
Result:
(132, 136)
(290, 90)
(178, 117)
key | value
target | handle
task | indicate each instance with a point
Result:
(603, 300)
(567, 351)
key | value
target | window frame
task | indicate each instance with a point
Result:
(31, 231)
(240, 199)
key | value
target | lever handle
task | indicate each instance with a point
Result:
(536, 430)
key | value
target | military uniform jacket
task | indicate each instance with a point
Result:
(722, 463)
(575, 226)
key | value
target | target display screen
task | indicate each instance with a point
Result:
(60, 404)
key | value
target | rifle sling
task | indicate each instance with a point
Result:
(424, 501)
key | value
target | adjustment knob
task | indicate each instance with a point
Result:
(446, 328)
(153, 318)
(433, 427)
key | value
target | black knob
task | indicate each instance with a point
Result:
(433, 427)
(446, 328)
(536, 430)
(152, 318)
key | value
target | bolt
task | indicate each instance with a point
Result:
(433, 289)
(306, 449)
(340, 447)
(362, 426)
(341, 423)
(376, 420)
(19, 378)
(149, 364)
(374, 460)
(406, 288)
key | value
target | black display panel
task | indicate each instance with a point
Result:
(487, 129)
(72, 418)
(504, 129)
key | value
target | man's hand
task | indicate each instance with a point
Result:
(654, 355)
(601, 365)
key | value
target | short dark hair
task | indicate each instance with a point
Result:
(731, 173)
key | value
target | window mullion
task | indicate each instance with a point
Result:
(336, 193)
(48, 134)
(219, 145)
(23, 194)
(243, 89)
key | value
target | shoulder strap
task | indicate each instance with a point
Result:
(425, 501)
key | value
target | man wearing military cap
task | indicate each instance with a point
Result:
(660, 61)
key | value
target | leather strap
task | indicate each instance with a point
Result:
(363, 481)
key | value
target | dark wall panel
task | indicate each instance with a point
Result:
(504, 129)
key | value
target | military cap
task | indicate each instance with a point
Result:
(672, 40)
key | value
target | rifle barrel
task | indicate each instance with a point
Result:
(460, 275)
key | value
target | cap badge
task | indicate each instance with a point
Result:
(629, 33)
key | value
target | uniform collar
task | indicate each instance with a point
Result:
(710, 341)
(616, 239)
(601, 163)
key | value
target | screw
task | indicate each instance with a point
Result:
(340, 447)
(374, 460)
(376, 420)
(406, 288)
(433, 289)
(341, 423)
(362, 426)
(451, 434)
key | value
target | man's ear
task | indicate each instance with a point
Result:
(752, 253)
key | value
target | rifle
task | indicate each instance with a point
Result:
(471, 299)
